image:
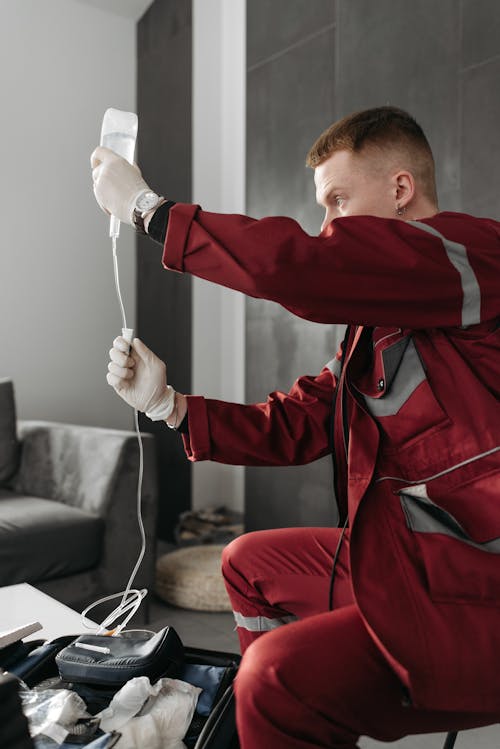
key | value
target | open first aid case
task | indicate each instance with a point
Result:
(34, 663)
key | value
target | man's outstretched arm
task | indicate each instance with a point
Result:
(442, 271)
(287, 429)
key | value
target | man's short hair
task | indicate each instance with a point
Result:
(387, 129)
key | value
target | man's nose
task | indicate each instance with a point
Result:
(327, 220)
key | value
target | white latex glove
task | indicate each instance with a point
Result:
(140, 378)
(117, 184)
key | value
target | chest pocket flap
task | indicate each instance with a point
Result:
(398, 372)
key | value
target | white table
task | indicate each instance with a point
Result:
(22, 603)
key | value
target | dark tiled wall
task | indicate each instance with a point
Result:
(164, 153)
(479, 91)
(309, 63)
(406, 54)
(290, 100)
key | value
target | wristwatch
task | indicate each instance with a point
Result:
(146, 201)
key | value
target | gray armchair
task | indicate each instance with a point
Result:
(68, 506)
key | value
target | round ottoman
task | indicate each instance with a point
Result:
(191, 578)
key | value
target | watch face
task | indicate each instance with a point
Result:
(146, 201)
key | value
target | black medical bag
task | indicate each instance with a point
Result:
(216, 731)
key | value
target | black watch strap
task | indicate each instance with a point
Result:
(183, 427)
(157, 228)
(138, 222)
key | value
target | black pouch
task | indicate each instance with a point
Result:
(113, 660)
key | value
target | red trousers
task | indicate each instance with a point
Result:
(319, 681)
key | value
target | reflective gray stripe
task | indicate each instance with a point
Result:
(261, 623)
(334, 366)
(443, 472)
(424, 516)
(457, 255)
(407, 378)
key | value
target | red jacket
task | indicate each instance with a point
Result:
(420, 390)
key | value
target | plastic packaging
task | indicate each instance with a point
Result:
(156, 716)
(53, 713)
(119, 133)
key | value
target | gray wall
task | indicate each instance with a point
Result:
(290, 100)
(218, 138)
(479, 105)
(310, 63)
(58, 309)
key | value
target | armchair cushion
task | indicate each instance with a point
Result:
(42, 539)
(9, 445)
(75, 465)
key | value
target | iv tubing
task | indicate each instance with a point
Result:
(117, 282)
(131, 598)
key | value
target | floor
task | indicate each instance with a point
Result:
(479, 738)
(197, 629)
(215, 631)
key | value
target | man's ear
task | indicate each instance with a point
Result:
(404, 188)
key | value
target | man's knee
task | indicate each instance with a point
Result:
(230, 553)
(257, 672)
(271, 700)
(237, 555)
(284, 694)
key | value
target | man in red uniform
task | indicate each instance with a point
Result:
(408, 640)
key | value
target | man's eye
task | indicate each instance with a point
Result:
(339, 201)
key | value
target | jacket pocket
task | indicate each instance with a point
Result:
(460, 550)
(396, 392)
